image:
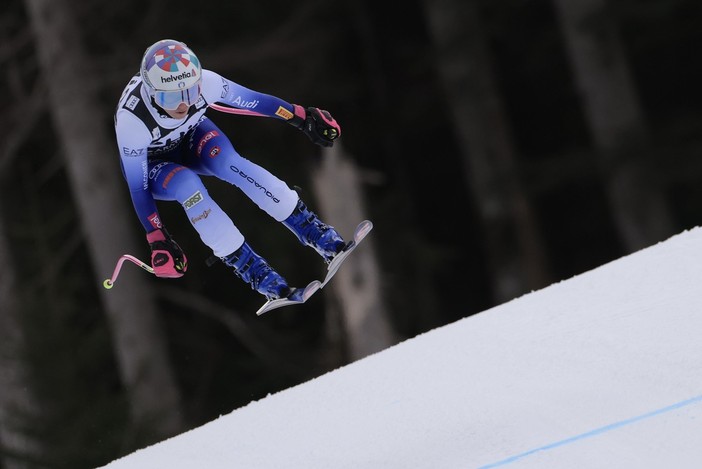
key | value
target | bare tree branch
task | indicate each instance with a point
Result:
(23, 117)
(236, 326)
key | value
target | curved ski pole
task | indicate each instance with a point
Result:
(110, 282)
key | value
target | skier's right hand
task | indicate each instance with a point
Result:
(167, 259)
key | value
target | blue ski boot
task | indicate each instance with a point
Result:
(254, 270)
(310, 230)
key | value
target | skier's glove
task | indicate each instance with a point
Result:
(167, 259)
(317, 124)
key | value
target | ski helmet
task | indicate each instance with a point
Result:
(172, 73)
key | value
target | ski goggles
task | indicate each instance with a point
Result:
(170, 100)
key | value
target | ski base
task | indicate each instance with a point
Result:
(297, 296)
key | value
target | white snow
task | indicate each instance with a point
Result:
(603, 370)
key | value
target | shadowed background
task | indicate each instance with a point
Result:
(498, 147)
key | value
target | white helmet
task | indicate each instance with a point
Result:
(172, 73)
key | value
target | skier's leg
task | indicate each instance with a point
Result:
(311, 231)
(254, 270)
(212, 153)
(171, 181)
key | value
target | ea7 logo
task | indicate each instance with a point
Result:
(131, 152)
(193, 200)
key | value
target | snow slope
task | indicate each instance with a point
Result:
(603, 370)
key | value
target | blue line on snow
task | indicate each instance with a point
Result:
(597, 431)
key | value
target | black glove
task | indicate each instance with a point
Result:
(317, 124)
(167, 259)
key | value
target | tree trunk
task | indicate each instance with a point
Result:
(616, 121)
(410, 273)
(92, 163)
(14, 393)
(357, 284)
(515, 253)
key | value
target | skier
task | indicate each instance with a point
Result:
(166, 143)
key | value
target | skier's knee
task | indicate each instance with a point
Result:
(190, 190)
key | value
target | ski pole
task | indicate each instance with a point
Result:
(110, 282)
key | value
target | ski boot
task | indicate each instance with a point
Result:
(254, 270)
(310, 230)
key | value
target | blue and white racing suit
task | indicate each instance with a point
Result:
(163, 158)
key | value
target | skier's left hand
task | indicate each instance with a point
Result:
(318, 125)
(167, 259)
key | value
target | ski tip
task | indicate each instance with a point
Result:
(311, 289)
(263, 308)
(274, 304)
(362, 229)
(365, 225)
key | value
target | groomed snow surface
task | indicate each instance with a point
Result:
(603, 370)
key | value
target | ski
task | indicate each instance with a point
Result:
(297, 296)
(359, 233)
(300, 295)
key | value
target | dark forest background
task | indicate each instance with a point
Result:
(500, 146)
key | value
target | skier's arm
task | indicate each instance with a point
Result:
(317, 124)
(133, 139)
